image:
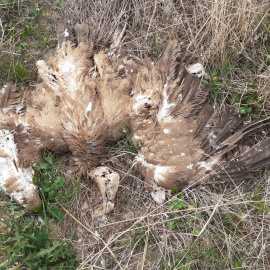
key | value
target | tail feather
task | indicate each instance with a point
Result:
(223, 127)
(222, 138)
(247, 129)
(79, 34)
(232, 141)
(246, 162)
(84, 35)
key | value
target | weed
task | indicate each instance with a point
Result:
(51, 186)
(247, 103)
(138, 237)
(21, 73)
(25, 239)
(125, 144)
(58, 5)
(25, 242)
(260, 205)
(215, 88)
(124, 202)
(25, 39)
(156, 46)
(176, 221)
(202, 254)
(177, 202)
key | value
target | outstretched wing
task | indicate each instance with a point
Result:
(183, 141)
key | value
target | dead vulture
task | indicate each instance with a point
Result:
(84, 98)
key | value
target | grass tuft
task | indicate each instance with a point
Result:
(25, 242)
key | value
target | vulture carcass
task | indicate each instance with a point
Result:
(83, 100)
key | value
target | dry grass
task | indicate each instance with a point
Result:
(229, 37)
(219, 227)
(223, 226)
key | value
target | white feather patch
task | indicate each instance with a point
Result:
(89, 107)
(3, 90)
(209, 165)
(197, 70)
(66, 33)
(164, 111)
(9, 168)
(160, 171)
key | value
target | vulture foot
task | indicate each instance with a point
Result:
(108, 182)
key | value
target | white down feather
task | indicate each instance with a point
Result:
(9, 168)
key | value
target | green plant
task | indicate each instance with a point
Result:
(177, 203)
(248, 104)
(125, 144)
(58, 5)
(21, 73)
(52, 186)
(260, 205)
(188, 223)
(203, 255)
(156, 46)
(172, 266)
(124, 201)
(138, 236)
(215, 87)
(25, 242)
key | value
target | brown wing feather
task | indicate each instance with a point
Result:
(247, 161)
(84, 99)
(11, 100)
(170, 62)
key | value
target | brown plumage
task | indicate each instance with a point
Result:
(85, 98)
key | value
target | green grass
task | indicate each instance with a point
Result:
(25, 241)
(125, 144)
(26, 37)
(52, 186)
(156, 45)
(247, 103)
(138, 237)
